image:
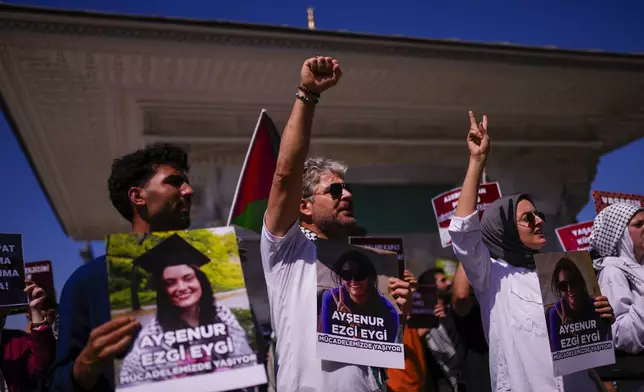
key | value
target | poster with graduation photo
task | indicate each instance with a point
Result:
(579, 338)
(358, 320)
(187, 290)
(12, 272)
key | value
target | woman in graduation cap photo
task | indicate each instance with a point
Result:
(184, 299)
(574, 305)
(357, 293)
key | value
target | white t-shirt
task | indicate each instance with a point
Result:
(291, 278)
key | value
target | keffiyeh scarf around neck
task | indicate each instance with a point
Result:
(309, 234)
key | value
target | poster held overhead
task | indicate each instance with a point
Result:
(579, 338)
(358, 320)
(187, 290)
(445, 207)
(12, 273)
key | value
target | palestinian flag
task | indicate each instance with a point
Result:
(256, 178)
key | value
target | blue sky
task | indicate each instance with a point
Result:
(612, 26)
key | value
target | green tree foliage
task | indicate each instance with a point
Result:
(224, 270)
(245, 319)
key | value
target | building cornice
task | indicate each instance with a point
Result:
(96, 24)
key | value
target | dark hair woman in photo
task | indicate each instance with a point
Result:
(357, 293)
(574, 304)
(185, 299)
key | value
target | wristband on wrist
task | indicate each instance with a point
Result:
(306, 99)
(306, 90)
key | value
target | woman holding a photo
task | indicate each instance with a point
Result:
(497, 255)
(575, 304)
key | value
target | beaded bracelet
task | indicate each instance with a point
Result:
(306, 90)
(306, 99)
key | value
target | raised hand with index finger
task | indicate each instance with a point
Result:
(478, 140)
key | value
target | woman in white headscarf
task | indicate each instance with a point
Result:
(617, 243)
(497, 255)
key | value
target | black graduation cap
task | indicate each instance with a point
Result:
(174, 250)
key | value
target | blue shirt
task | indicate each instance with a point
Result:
(84, 305)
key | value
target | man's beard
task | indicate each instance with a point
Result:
(175, 216)
(333, 228)
(174, 220)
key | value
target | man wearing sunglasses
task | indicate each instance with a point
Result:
(309, 200)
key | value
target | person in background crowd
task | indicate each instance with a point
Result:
(413, 378)
(51, 315)
(443, 341)
(307, 200)
(498, 258)
(26, 357)
(467, 316)
(617, 244)
(150, 189)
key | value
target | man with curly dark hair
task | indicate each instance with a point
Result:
(150, 189)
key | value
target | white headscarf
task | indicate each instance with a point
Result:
(610, 236)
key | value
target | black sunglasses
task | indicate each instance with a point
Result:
(335, 190)
(564, 286)
(530, 217)
(353, 275)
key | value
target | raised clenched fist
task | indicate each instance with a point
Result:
(320, 73)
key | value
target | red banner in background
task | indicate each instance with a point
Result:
(445, 206)
(41, 273)
(603, 199)
(575, 237)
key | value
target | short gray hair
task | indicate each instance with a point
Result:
(315, 168)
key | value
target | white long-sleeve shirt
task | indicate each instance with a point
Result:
(622, 282)
(513, 318)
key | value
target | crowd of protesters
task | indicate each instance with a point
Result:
(478, 343)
